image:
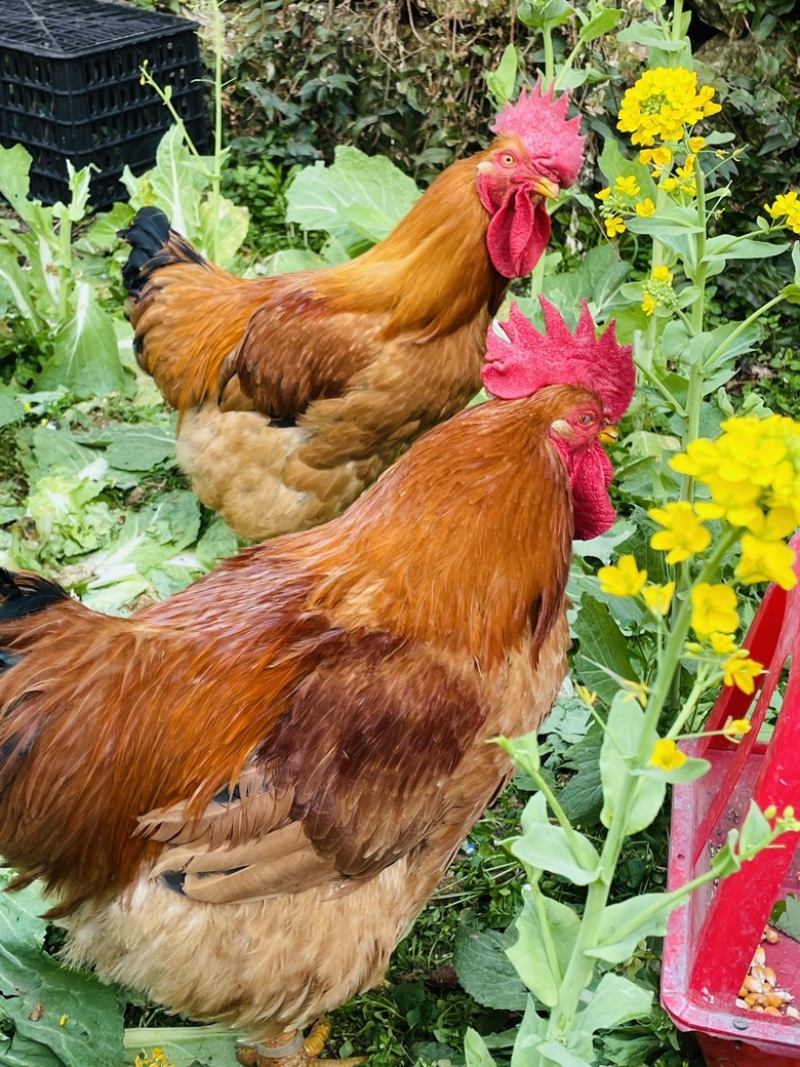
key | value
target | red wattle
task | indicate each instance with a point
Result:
(518, 233)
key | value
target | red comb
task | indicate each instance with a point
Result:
(530, 360)
(550, 138)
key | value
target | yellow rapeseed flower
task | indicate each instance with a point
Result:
(683, 533)
(604, 194)
(659, 157)
(624, 579)
(722, 644)
(666, 755)
(663, 103)
(735, 729)
(696, 144)
(766, 561)
(659, 597)
(627, 185)
(741, 672)
(648, 304)
(669, 185)
(645, 208)
(714, 609)
(785, 204)
(662, 274)
(614, 226)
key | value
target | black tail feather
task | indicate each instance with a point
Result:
(26, 594)
(149, 235)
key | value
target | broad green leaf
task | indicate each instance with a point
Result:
(554, 1052)
(742, 247)
(615, 1001)
(231, 223)
(19, 1051)
(669, 220)
(319, 196)
(614, 948)
(605, 545)
(501, 81)
(182, 1046)
(475, 1051)
(531, 1031)
(529, 953)
(141, 447)
(601, 646)
(174, 184)
(69, 1012)
(603, 22)
(11, 411)
(689, 771)
(650, 35)
(217, 543)
(582, 796)
(486, 972)
(614, 165)
(570, 719)
(550, 848)
(85, 357)
(535, 13)
(289, 260)
(624, 728)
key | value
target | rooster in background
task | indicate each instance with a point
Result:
(295, 392)
(241, 797)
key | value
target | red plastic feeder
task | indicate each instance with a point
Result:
(711, 939)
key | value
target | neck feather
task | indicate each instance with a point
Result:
(433, 273)
(465, 543)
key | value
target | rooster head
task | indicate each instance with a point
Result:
(537, 152)
(523, 361)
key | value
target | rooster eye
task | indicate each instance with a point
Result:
(508, 159)
(586, 420)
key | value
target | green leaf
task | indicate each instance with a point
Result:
(529, 954)
(141, 447)
(791, 293)
(486, 972)
(755, 832)
(651, 35)
(320, 196)
(789, 922)
(667, 221)
(689, 771)
(85, 357)
(582, 796)
(475, 1051)
(182, 1046)
(742, 247)
(550, 848)
(554, 1052)
(616, 917)
(603, 22)
(614, 165)
(535, 14)
(614, 1002)
(531, 1031)
(624, 728)
(69, 1012)
(524, 751)
(501, 81)
(11, 411)
(601, 646)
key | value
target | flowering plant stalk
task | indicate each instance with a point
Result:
(727, 504)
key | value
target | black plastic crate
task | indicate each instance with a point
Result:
(70, 88)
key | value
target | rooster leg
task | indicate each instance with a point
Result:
(290, 1050)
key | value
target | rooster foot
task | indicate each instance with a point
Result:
(290, 1050)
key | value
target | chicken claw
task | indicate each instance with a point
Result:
(290, 1050)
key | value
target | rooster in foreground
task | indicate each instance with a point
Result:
(240, 798)
(295, 392)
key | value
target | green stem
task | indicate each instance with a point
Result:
(558, 811)
(688, 709)
(547, 932)
(138, 1037)
(677, 19)
(742, 327)
(549, 55)
(657, 384)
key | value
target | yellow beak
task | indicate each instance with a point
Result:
(609, 435)
(544, 187)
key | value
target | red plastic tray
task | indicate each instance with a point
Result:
(711, 939)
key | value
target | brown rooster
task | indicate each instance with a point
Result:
(240, 798)
(295, 392)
